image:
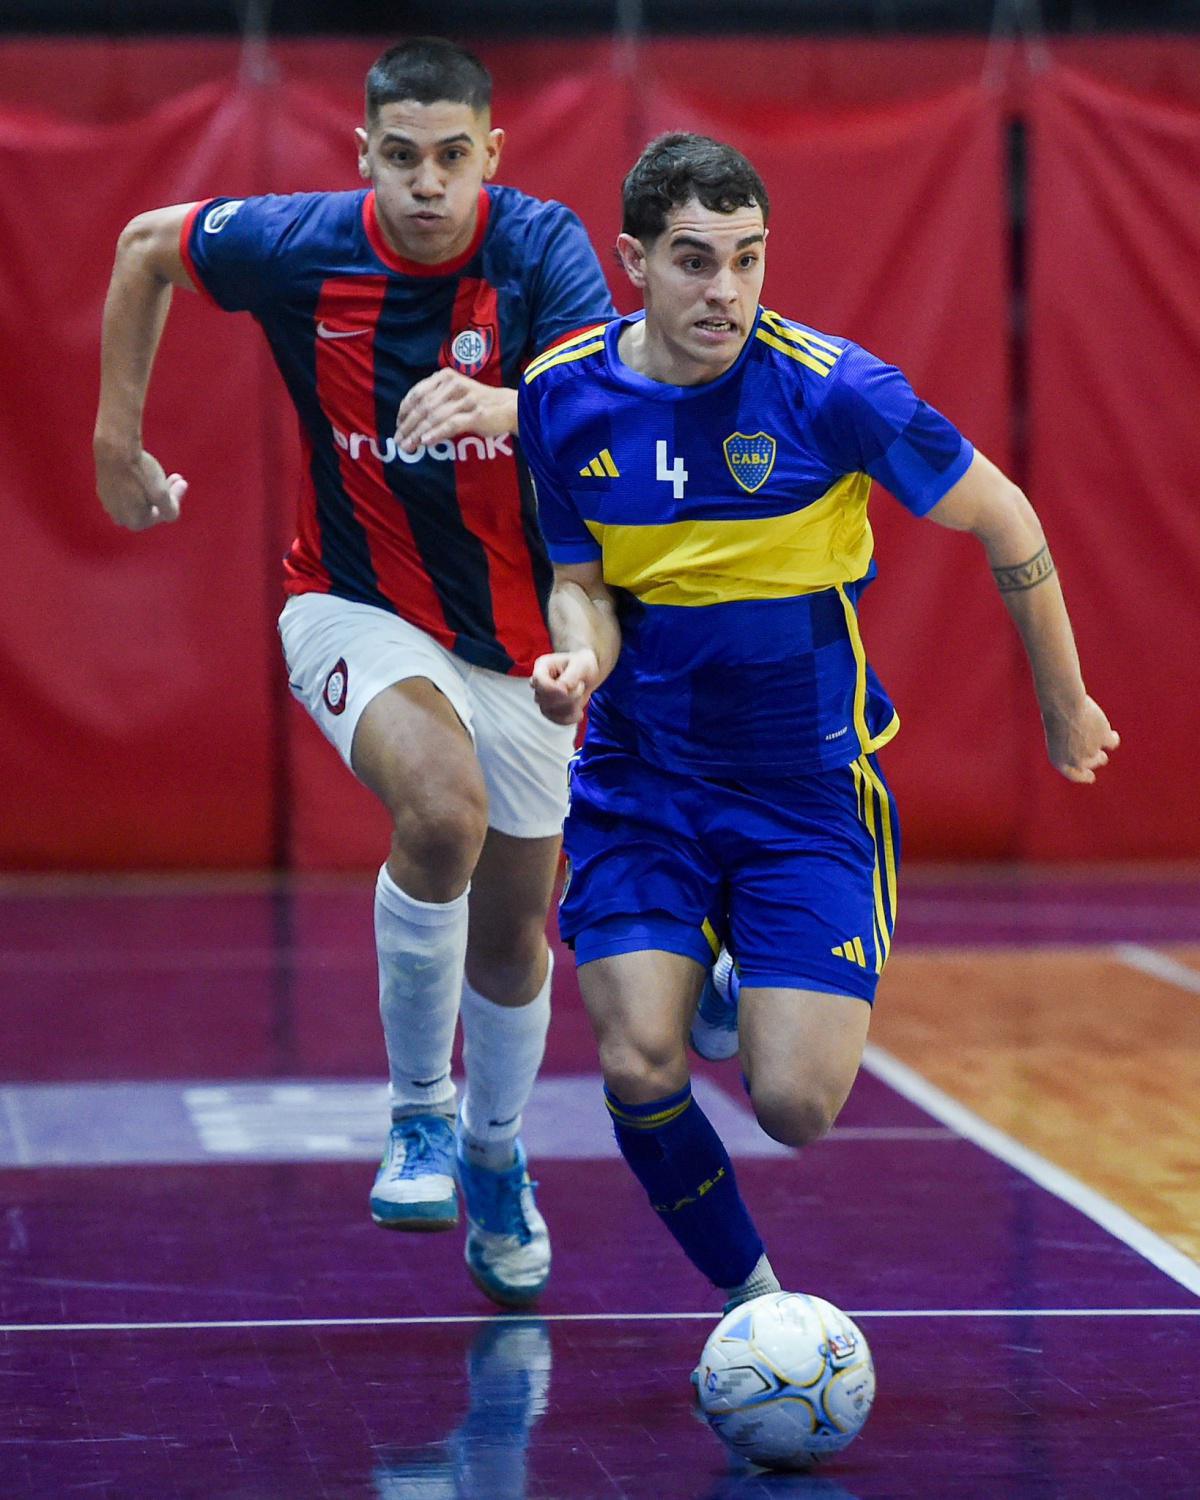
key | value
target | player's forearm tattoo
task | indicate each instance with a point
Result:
(1025, 575)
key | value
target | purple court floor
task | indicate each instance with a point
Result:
(194, 1303)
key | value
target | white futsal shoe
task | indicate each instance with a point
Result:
(508, 1245)
(414, 1187)
(715, 1025)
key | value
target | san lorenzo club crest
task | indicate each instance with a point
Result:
(470, 350)
(750, 459)
(336, 686)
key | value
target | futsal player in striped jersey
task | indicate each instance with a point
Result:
(703, 470)
(400, 317)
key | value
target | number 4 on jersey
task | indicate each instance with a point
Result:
(676, 475)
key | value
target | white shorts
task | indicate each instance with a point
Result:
(340, 655)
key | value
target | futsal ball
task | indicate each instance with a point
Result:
(786, 1379)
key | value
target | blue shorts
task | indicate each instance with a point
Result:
(798, 875)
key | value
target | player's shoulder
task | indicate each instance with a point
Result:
(803, 352)
(527, 236)
(281, 216)
(514, 212)
(218, 212)
(576, 355)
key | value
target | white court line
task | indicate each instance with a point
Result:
(16, 1128)
(668, 1317)
(1150, 961)
(1123, 1226)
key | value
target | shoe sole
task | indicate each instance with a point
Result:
(506, 1296)
(414, 1220)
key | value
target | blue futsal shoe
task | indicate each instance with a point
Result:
(414, 1187)
(508, 1245)
(715, 1025)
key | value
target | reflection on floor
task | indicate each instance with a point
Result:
(195, 1304)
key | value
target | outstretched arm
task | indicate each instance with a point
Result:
(131, 483)
(587, 640)
(987, 504)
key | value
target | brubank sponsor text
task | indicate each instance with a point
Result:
(387, 450)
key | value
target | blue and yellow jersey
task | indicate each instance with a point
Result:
(731, 519)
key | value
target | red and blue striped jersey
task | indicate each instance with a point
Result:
(446, 537)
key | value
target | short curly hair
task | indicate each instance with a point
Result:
(677, 167)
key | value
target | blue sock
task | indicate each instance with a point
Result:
(678, 1158)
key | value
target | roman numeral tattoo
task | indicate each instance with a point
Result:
(1026, 575)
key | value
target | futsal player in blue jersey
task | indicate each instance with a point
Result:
(702, 471)
(400, 317)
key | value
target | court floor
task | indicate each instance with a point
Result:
(194, 1303)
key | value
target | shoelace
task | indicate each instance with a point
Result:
(501, 1205)
(420, 1150)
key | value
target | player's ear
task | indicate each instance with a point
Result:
(493, 144)
(633, 258)
(364, 165)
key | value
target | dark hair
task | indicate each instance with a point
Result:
(677, 167)
(427, 69)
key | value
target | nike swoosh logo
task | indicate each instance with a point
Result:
(333, 333)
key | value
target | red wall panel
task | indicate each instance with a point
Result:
(146, 718)
(133, 669)
(1115, 439)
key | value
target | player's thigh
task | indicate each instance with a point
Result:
(811, 888)
(413, 751)
(391, 701)
(640, 1004)
(639, 876)
(800, 1051)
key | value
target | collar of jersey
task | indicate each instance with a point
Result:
(661, 390)
(415, 267)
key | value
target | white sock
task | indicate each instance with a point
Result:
(761, 1280)
(422, 946)
(502, 1051)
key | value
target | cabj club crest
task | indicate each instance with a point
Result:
(750, 458)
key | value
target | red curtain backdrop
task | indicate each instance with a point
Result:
(146, 719)
(136, 674)
(1115, 342)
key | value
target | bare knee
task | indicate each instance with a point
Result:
(639, 1071)
(436, 843)
(794, 1116)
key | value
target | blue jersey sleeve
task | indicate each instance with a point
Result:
(569, 289)
(567, 538)
(236, 248)
(874, 422)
